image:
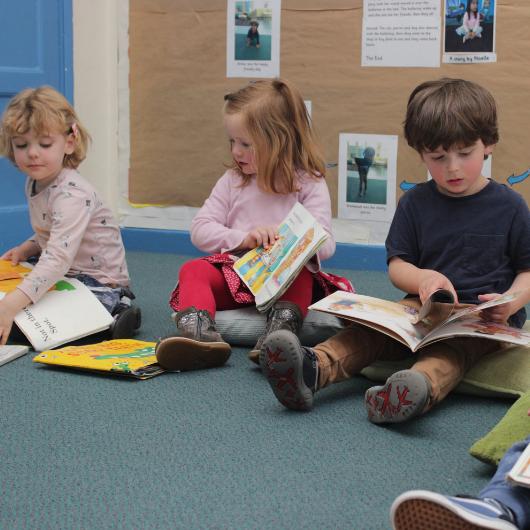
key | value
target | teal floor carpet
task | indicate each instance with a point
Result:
(214, 449)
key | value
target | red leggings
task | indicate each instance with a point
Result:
(203, 286)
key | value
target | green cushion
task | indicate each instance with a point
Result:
(505, 373)
(514, 426)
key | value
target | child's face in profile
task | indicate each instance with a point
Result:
(240, 143)
(458, 171)
(41, 157)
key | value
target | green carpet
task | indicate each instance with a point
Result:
(214, 449)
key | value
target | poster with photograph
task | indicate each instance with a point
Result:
(401, 33)
(367, 176)
(469, 32)
(253, 38)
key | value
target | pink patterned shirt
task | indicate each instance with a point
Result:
(77, 234)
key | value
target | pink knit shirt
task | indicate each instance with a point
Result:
(232, 210)
(77, 234)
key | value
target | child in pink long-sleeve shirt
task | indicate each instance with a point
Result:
(276, 162)
(75, 234)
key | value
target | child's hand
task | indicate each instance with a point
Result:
(22, 252)
(499, 313)
(6, 323)
(15, 255)
(432, 281)
(10, 305)
(265, 236)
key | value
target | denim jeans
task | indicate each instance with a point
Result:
(516, 498)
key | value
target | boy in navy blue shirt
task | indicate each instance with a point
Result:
(460, 231)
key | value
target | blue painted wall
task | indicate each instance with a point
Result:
(35, 49)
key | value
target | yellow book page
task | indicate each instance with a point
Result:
(11, 275)
(122, 355)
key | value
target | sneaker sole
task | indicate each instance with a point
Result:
(422, 510)
(401, 398)
(180, 354)
(281, 361)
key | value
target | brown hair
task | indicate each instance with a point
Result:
(450, 112)
(281, 132)
(43, 110)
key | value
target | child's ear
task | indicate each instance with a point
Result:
(69, 146)
(488, 150)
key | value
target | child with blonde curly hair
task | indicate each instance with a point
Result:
(75, 234)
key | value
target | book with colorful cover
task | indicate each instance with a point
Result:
(67, 312)
(435, 320)
(128, 357)
(269, 272)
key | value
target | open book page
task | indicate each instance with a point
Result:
(68, 311)
(471, 325)
(268, 273)
(468, 322)
(505, 298)
(391, 318)
(401, 322)
(519, 475)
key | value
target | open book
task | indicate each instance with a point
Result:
(519, 475)
(268, 273)
(130, 357)
(67, 312)
(417, 328)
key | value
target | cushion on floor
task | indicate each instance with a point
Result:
(243, 327)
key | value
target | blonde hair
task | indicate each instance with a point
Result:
(42, 111)
(279, 126)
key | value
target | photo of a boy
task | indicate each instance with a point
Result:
(253, 34)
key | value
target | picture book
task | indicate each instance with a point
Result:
(519, 475)
(9, 352)
(269, 272)
(416, 328)
(68, 311)
(129, 357)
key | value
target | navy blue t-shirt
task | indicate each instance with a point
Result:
(480, 242)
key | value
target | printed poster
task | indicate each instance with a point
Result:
(401, 33)
(367, 176)
(469, 32)
(253, 38)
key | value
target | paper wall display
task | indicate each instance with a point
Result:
(401, 33)
(367, 176)
(253, 38)
(469, 37)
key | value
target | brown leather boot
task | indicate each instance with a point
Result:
(196, 345)
(282, 315)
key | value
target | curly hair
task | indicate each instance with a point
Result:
(42, 111)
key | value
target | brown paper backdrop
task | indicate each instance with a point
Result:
(178, 79)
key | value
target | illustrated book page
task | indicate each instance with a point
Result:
(417, 328)
(268, 273)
